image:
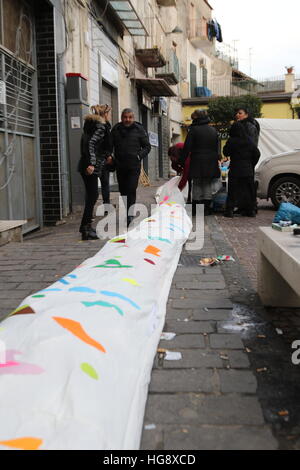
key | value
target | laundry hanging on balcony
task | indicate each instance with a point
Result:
(214, 30)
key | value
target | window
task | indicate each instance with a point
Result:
(193, 79)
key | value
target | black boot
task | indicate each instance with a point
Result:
(228, 213)
(194, 207)
(92, 230)
(129, 220)
(207, 207)
(88, 233)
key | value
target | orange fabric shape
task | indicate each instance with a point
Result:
(24, 443)
(76, 329)
(152, 250)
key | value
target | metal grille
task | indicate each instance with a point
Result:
(106, 94)
(18, 165)
(18, 115)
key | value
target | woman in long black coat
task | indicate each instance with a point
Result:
(244, 155)
(202, 144)
(250, 124)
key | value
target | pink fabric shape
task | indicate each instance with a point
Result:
(18, 368)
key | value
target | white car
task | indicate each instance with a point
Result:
(278, 178)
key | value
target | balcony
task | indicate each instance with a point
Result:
(155, 86)
(198, 35)
(166, 3)
(170, 72)
(151, 57)
(129, 17)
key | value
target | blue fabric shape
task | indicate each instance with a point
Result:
(50, 290)
(86, 290)
(73, 276)
(63, 281)
(176, 226)
(120, 296)
(161, 239)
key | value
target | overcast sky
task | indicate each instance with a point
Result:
(270, 27)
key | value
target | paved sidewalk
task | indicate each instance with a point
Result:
(241, 233)
(208, 399)
(47, 255)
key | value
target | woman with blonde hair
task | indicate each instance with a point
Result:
(95, 156)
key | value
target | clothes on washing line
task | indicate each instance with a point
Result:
(214, 30)
(219, 32)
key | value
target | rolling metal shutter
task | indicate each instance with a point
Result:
(106, 94)
(18, 166)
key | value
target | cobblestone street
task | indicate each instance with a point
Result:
(241, 232)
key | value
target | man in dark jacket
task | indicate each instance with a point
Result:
(131, 145)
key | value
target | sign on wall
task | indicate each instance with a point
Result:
(153, 139)
(109, 72)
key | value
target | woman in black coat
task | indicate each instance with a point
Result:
(202, 144)
(244, 155)
(250, 124)
(93, 164)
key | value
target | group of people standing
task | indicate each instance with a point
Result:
(123, 147)
(198, 162)
(128, 142)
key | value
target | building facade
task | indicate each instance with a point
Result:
(70, 54)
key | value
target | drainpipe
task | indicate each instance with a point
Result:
(63, 154)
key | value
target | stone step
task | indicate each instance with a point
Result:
(11, 231)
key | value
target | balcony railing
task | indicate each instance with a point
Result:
(198, 34)
(151, 57)
(170, 72)
(233, 86)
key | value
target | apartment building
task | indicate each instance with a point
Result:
(58, 57)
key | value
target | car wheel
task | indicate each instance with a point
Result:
(285, 189)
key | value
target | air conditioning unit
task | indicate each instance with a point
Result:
(159, 107)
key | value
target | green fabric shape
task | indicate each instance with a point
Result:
(112, 263)
(118, 240)
(102, 303)
(38, 296)
(89, 370)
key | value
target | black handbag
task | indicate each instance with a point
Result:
(111, 167)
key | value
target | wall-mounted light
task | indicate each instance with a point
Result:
(176, 30)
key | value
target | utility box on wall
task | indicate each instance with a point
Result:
(77, 108)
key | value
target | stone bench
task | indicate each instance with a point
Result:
(278, 268)
(11, 231)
